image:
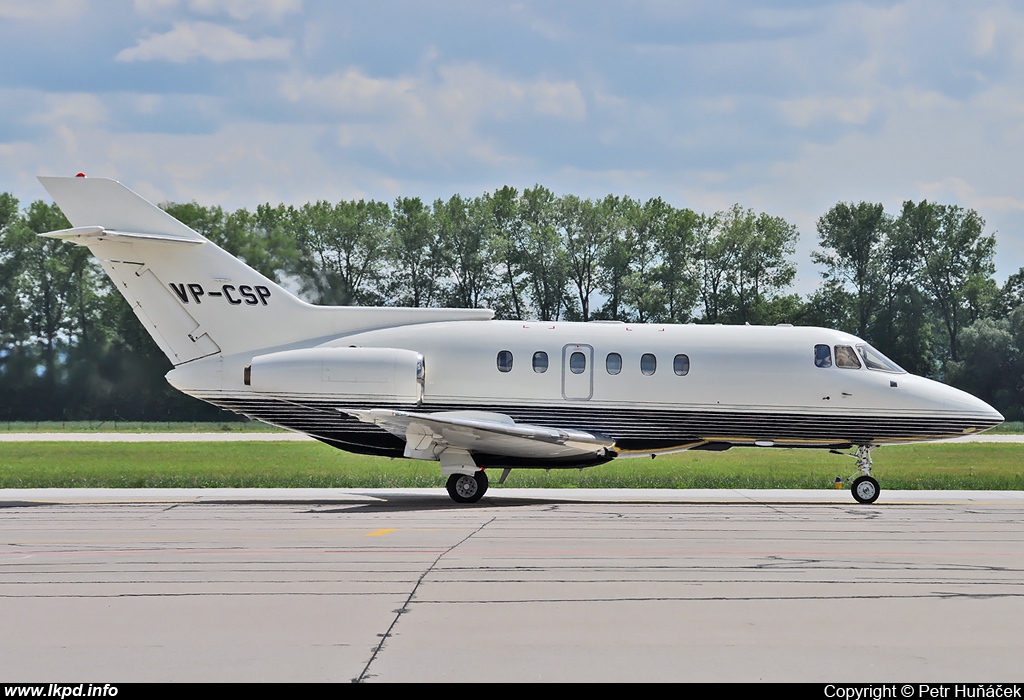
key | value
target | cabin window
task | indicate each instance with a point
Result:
(648, 364)
(613, 363)
(577, 363)
(504, 361)
(877, 361)
(540, 362)
(846, 357)
(822, 356)
(681, 365)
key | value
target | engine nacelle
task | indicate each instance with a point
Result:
(387, 374)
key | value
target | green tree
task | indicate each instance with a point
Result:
(645, 227)
(504, 235)
(992, 363)
(743, 266)
(546, 264)
(461, 231)
(904, 326)
(676, 241)
(12, 312)
(342, 248)
(956, 263)
(853, 240)
(616, 254)
(585, 236)
(413, 253)
(764, 269)
(1010, 296)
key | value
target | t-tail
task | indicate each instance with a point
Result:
(194, 298)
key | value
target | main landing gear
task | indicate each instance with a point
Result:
(467, 488)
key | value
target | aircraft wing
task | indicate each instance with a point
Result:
(428, 435)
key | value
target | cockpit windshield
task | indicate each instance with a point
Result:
(877, 361)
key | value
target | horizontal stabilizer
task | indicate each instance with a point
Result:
(88, 201)
(86, 235)
(428, 435)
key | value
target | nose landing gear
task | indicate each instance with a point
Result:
(865, 489)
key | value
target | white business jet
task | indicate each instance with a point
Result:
(457, 387)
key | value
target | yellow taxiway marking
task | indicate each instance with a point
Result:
(378, 533)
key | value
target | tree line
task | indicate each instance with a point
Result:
(918, 284)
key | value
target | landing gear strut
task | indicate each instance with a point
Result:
(865, 489)
(467, 488)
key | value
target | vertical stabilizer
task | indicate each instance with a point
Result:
(194, 298)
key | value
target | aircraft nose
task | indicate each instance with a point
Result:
(968, 413)
(982, 415)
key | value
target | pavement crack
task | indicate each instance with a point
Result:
(405, 606)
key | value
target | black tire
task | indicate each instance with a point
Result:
(465, 488)
(865, 489)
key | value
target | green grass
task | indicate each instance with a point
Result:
(303, 465)
(137, 427)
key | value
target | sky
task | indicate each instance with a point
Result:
(782, 107)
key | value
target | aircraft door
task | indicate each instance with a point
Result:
(577, 372)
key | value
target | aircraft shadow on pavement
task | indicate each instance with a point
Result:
(435, 503)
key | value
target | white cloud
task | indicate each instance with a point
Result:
(433, 117)
(351, 92)
(42, 9)
(960, 190)
(71, 108)
(191, 41)
(236, 9)
(985, 35)
(463, 89)
(805, 111)
(244, 9)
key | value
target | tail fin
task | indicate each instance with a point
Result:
(194, 298)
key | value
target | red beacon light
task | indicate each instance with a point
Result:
(80, 175)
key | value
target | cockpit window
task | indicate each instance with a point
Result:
(877, 361)
(846, 357)
(822, 356)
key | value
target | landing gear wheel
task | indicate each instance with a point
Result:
(865, 489)
(467, 488)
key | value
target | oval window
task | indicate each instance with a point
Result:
(540, 362)
(577, 363)
(681, 365)
(613, 363)
(504, 361)
(648, 364)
